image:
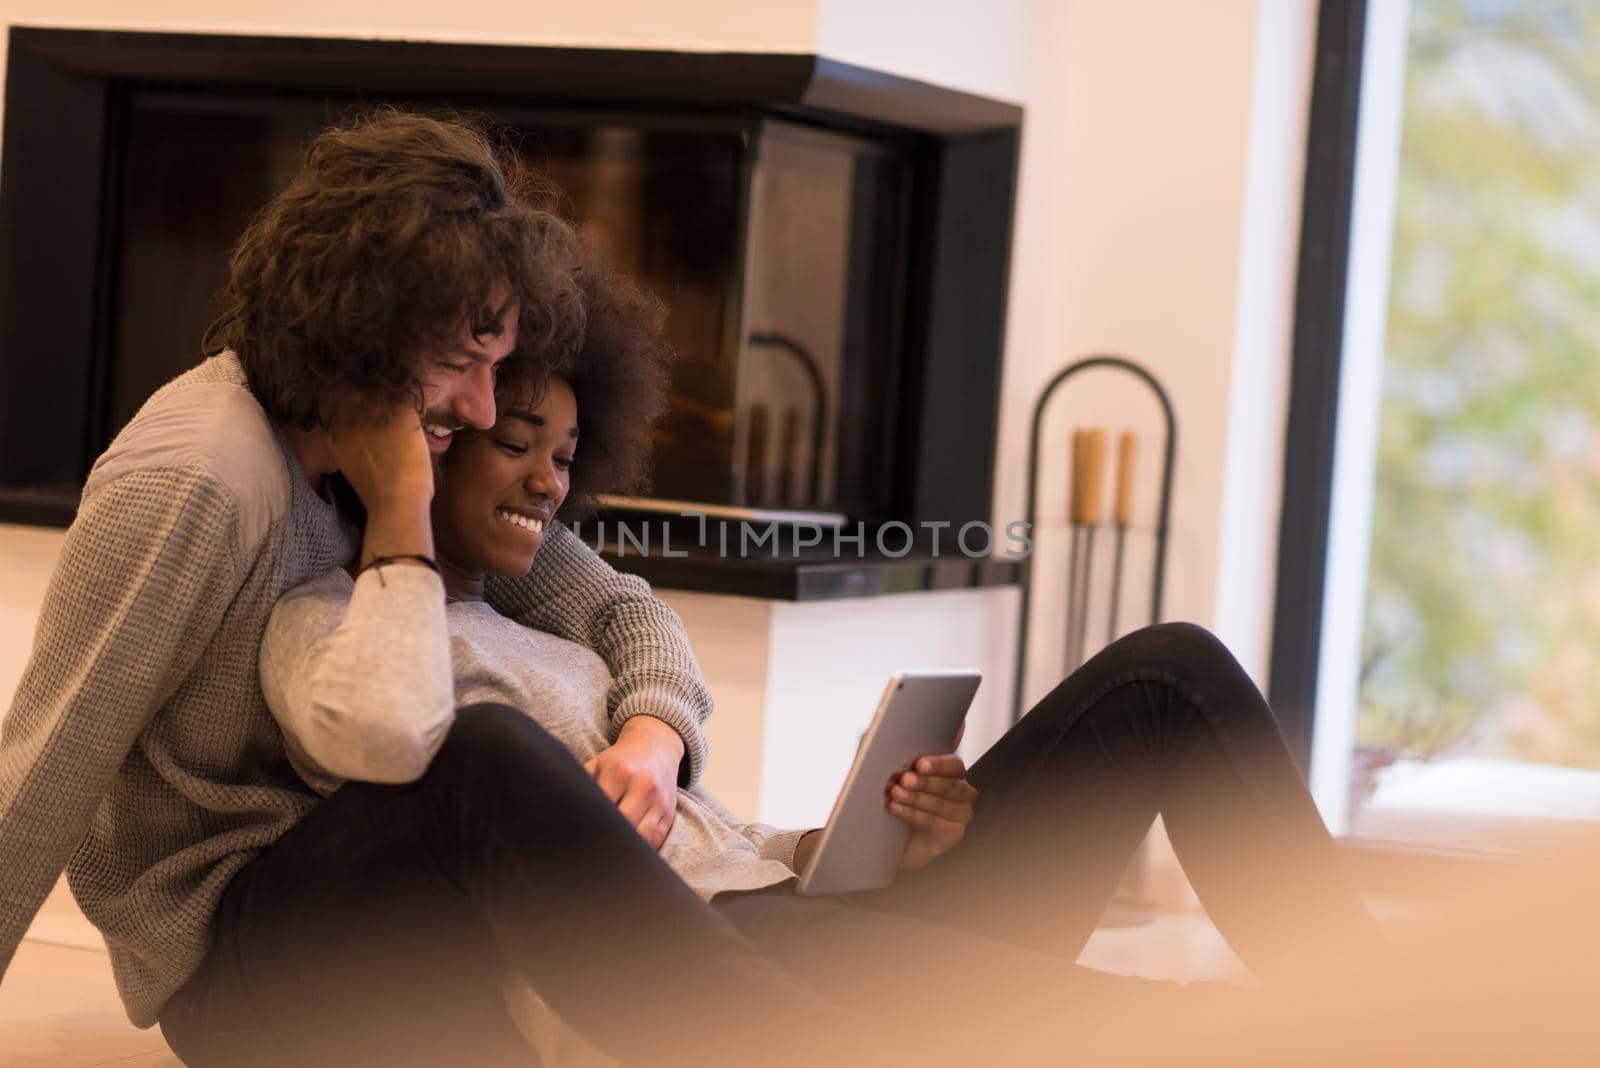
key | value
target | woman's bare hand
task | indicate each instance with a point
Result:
(934, 797)
(640, 774)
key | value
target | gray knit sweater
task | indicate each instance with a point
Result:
(139, 752)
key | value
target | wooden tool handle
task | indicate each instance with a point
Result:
(1075, 494)
(1127, 455)
(1094, 476)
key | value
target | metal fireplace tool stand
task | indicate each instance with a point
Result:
(1085, 498)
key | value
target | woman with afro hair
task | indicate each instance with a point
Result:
(499, 819)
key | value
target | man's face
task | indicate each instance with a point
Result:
(458, 379)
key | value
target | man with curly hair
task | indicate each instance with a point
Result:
(405, 262)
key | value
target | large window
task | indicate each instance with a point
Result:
(1466, 704)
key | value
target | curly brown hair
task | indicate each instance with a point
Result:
(398, 230)
(619, 379)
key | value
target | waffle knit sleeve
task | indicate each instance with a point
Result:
(774, 843)
(145, 574)
(575, 595)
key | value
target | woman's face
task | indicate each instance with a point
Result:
(500, 489)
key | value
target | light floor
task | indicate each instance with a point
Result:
(58, 1005)
(59, 1008)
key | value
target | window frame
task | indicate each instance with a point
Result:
(1315, 370)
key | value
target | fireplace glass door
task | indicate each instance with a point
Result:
(778, 248)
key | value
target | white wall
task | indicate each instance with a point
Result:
(975, 45)
(698, 25)
(1157, 218)
(684, 25)
(1252, 491)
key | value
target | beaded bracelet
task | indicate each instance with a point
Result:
(379, 561)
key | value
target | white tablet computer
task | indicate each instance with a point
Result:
(919, 714)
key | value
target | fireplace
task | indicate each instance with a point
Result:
(832, 243)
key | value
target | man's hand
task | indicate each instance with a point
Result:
(640, 773)
(383, 454)
(934, 797)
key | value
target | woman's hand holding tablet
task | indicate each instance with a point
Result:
(919, 716)
(935, 798)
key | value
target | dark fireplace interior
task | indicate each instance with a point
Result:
(831, 243)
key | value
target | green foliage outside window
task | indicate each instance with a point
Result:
(1482, 626)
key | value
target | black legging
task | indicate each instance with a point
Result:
(378, 929)
(1164, 720)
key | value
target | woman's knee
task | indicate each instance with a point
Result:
(1174, 649)
(1197, 666)
(1166, 653)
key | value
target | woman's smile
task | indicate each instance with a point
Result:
(521, 521)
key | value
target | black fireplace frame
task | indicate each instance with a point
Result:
(58, 196)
